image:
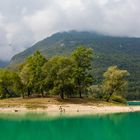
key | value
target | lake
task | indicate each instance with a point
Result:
(122, 126)
(134, 103)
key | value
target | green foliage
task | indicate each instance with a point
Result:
(119, 99)
(83, 58)
(114, 82)
(69, 75)
(96, 91)
(10, 84)
(59, 72)
(108, 51)
(63, 76)
(31, 73)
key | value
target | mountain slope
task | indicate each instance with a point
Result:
(121, 51)
(3, 63)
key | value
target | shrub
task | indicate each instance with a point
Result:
(119, 99)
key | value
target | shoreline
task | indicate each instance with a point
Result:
(134, 101)
(56, 106)
(72, 109)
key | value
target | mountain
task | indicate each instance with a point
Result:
(121, 51)
(3, 63)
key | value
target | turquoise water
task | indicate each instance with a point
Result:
(124, 126)
(134, 103)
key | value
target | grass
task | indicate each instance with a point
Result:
(35, 106)
(34, 103)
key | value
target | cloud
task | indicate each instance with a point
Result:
(22, 23)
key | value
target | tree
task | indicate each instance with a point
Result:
(25, 75)
(10, 84)
(114, 82)
(31, 73)
(59, 75)
(83, 59)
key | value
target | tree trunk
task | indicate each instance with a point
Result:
(79, 88)
(28, 92)
(108, 99)
(42, 93)
(23, 95)
(80, 93)
(62, 94)
(111, 93)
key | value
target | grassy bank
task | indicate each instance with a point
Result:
(44, 102)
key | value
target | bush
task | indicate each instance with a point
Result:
(119, 99)
(96, 91)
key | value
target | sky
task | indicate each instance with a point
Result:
(24, 22)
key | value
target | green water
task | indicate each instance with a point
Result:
(124, 126)
(134, 103)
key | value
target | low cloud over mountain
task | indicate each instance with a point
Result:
(24, 22)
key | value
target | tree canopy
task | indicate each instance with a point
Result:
(10, 84)
(83, 58)
(114, 82)
(66, 76)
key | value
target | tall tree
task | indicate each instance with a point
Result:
(31, 73)
(59, 74)
(83, 58)
(114, 82)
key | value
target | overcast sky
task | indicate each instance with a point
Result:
(24, 22)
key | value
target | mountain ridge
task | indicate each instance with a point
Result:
(121, 51)
(57, 36)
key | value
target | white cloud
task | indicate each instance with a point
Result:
(23, 23)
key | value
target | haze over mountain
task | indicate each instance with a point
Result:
(3, 63)
(121, 51)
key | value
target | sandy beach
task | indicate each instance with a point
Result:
(55, 106)
(73, 109)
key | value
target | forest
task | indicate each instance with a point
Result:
(64, 76)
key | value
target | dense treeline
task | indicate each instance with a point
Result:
(66, 76)
(121, 51)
